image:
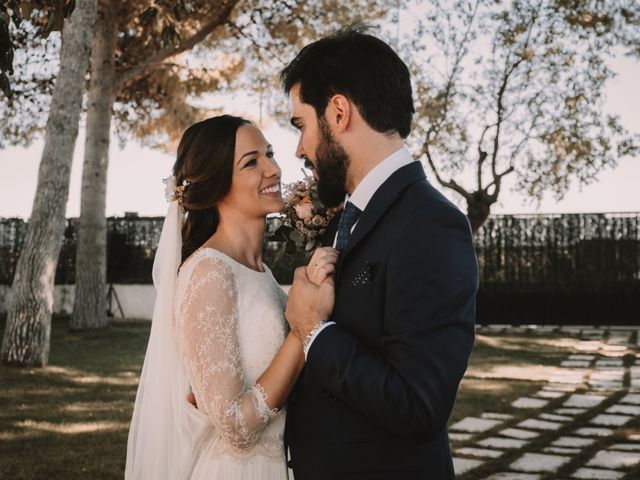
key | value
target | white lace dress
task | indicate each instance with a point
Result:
(230, 324)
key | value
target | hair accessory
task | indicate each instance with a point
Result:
(173, 192)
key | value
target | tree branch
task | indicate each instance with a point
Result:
(139, 70)
(500, 106)
(497, 181)
(482, 154)
(452, 184)
(261, 48)
(460, 54)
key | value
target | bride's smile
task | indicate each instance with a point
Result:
(255, 183)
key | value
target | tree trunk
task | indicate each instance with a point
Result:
(478, 209)
(26, 336)
(89, 310)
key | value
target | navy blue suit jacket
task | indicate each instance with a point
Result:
(378, 387)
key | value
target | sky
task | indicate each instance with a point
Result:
(135, 172)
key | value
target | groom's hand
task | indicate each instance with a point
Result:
(308, 304)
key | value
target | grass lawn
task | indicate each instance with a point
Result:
(70, 420)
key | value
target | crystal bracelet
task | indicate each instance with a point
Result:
(307, 340)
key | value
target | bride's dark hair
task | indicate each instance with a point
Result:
(205, 161)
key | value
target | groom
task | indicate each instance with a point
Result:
(386, 352)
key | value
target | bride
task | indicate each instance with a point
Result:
(218, 324)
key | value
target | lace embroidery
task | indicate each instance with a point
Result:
(206, 321)
(263, 397)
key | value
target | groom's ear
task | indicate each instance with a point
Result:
(339, 112)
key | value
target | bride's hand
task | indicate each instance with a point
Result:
(322, 264)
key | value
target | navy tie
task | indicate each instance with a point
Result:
(348, 218)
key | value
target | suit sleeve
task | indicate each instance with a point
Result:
(409, 383)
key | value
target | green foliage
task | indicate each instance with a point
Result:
(171, 54)
(48, 16)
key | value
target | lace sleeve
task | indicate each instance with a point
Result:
(208, 332)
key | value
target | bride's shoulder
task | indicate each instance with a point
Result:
(206, 263)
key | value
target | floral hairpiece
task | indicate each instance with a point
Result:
(173, 192)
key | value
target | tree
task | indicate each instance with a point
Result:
(517, 88)
(26, 337)
(89, 310)
(149, 83)
(90, 303)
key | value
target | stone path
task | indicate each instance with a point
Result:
(580, 416)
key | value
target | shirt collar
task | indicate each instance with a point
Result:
(377, 176)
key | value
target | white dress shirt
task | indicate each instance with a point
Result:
(363, 193)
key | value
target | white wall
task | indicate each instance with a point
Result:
(136, 300)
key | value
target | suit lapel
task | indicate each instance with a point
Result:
(382, 200)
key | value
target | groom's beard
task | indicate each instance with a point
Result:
(331, 163)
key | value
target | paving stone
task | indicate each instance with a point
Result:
(609, 362)
(514, 476)
(460, 437)
(570, 411)
(612, 382)
(498, 442)
(588, 346)
(624, 409)
(622, 337)
(632, 447)
(534, 424)
(581, 357)
(614, 459)
(594, 432)
(496, 328)
(528, 402)
(474, 425)
(464, 465)
(576, 363)
(584, 400)
(593, 332)
(518, 329)
(616, 375)
(569, 376)
(562, 450)
(572, 442)
(550, 394)
(497, 416)
(631, 398)
(538, 462)
(596, 474)
(573, 328)
(546, 328)
(614, 348)
(479, 452)
(619, 354)
(605, 385)
(519, 433)
(560, 387)
(610, 420)
(555, 418)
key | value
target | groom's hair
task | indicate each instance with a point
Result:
(361, 67)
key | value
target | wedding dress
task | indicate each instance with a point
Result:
(229, 321)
